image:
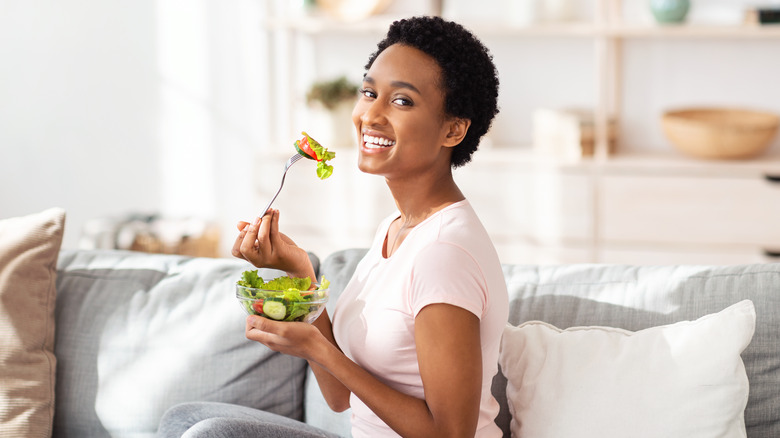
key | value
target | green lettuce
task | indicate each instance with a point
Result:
(288, 283)
(251, 279)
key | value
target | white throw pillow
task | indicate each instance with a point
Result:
(680, 380)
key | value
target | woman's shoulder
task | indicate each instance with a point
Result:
(459, 223)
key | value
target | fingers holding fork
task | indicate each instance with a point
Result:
(261, 244)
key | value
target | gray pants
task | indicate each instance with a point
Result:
(222, 420)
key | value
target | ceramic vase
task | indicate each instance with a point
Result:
(670, 11)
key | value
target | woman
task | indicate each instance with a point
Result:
(413, 343)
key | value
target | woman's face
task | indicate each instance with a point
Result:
(400, 119)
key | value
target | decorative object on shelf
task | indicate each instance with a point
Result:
(154, 234)
(763, 15)
(720, 133)
(523, 13)
(568, 134)
(555, 11)
(331, 102)
(353, 10)
(331, 93)
(483, 11)
(769, 15)
(302, 7)
(670, 11)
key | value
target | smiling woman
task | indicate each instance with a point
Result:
(413, 343)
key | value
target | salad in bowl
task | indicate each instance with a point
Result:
(283, 298)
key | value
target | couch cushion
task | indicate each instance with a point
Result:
(635, 298)
(138, 333)
(679, 380)
(29, 247)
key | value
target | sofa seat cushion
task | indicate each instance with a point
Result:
(138, 333)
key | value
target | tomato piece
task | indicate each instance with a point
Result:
(304, 145)
(257, 306)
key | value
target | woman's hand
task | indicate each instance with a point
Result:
(292, 338)
(261, 244)
(313, 342)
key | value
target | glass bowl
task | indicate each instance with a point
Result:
(291, 305)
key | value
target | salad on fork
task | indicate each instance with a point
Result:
(313, 150)
(309, 148)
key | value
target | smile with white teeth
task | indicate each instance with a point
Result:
(377, 142)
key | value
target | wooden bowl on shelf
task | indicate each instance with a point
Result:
(720, 133)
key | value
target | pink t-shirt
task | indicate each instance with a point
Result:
(448, 258)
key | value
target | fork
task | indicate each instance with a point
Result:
(287, 165)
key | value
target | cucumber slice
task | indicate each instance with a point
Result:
(274, 309)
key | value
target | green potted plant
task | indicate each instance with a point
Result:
(331, 93)
(331, 102)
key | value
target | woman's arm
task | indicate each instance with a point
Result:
(449, 357)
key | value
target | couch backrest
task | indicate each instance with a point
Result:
(131, 330)
(137, 333)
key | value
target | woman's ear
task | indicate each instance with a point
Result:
(458, 128)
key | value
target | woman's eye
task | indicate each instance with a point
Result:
(367, 93)
(403, 101)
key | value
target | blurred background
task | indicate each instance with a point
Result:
(158, 124)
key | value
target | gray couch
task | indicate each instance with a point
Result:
(137, 333)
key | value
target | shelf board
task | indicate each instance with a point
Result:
(570, 29)
(674, 162)
(648, 162)
(322, 24)
(318, 24)
(693, 31)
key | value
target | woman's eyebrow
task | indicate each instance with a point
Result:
(395, 84)
(407, 85)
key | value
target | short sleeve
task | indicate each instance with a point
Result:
(446, 273)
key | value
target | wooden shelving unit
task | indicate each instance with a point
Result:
(588, 189)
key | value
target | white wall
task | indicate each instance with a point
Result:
(138, 106)
(163, 106)
(79, 113)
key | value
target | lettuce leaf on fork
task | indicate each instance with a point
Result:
(324, 169)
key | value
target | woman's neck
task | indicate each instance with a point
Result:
(417, 200)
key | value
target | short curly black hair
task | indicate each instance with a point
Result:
(469, 76)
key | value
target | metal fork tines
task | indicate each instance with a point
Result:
(289, 163)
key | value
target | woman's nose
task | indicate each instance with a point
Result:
(372, 113)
